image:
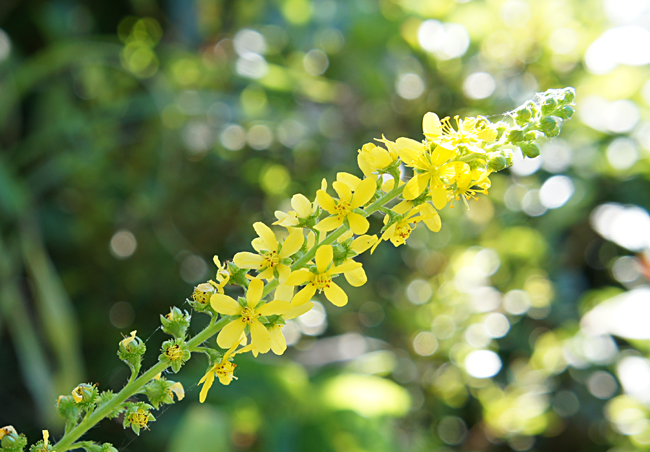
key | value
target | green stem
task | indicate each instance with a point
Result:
(130, 389)
(309, 255)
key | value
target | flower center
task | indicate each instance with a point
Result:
(402, 232)
(248, 315)
(140, 417)
(343, 208)
(322, 281)
(174, 353)
(271, 260)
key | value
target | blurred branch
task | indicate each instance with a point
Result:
(31, 355)
(56, 310)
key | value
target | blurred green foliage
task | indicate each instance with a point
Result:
(138, 138)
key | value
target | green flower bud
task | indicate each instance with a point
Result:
(161, 391)
(497, 161)
(515, 135)
(549, 105)
(11, 441)
(550, 125)
(176, 352)
(176, 322)
(523, 115)
(85, 395)
(566, 112)
(530, 150)
(137, 416)
(67, 408)
(568, 95)
(130, 351)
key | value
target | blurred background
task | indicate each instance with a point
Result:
(140, 138)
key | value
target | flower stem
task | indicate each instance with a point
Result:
(67, 442)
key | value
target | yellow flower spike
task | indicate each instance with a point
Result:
(322, 279)
(178, 389)
(247, 316)
(343, 208)
(268, 261)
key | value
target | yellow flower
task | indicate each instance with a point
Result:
(399, 231)
(321, 279)
(469, 179)
(303, 210)
(373, 158)
(223, 275)
(223, 370)
(350, 198)
(471, 133)
(272, 259)
(247, 316)
(433, 169)
(278, 341)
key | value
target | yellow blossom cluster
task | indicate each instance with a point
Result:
(323, 236)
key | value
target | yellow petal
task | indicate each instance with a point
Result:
(207, 380)
(336, 295)
(358, 223)
(441, 155)
(283, 292)
(487, 134)
(348, 179)
(326, 201)
(356, 277)
(260, 337)
(177, 389)
(248, 260)
(329, 224)
(416, 186)
(364, 165)
(297, 311)
(439, 197)
(283, 273)
(381, 158)
(364, 192)
(301, 205)
(304, 295)
(402, 207)
(346, 266)
(223, 304)
(299, 277)
(275, 307)
(267, 235)
(363, 243)
(431, 126)
(230, 334)
(292, 244)
(343, 190)
(324, 257)
(278, 342)
(254, 292)
(434, 224)
(266, 274)
(259, 245)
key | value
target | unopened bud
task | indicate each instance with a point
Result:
(566, 112)
(569, 95)
(176, 322)
(85, 394)
(497, 161)
(530, 150)
(515, 136)
(549, 105)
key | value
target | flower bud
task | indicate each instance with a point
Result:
(176, 322)
(566, 112)
(130, 351)
(530, 150)
(10, 440)
(523, 115)
(497, 161)
(549, 105)
(161, 391)
(569, 95)
(550, 125)
(67, 408)
(515, 135)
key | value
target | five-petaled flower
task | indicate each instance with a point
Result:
(350, 198)
(320, 278)
(272, 259)
(246, 315)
